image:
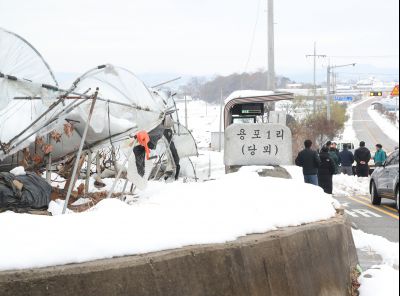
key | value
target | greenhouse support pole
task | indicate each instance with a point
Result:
(78, 156)
(119, 174)
(48, 166)
(88, 167)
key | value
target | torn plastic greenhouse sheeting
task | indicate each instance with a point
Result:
(129, 98)
(20, 59)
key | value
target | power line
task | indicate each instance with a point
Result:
(366, 57)
(356, 73)
(315, 56)
(253, 37)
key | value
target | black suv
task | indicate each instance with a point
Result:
(384, 181)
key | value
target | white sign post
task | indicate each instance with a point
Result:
(258, 144)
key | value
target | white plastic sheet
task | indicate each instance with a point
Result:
(19, 59)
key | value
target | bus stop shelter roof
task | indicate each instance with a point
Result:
(239, 96)
(253, 96)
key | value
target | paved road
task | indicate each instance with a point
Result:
(379, 220)
(367, 130)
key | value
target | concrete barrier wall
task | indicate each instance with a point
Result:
(311, 260)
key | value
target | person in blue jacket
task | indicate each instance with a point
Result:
(380, 155)
(347, 160)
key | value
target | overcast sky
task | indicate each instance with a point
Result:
(204, 37)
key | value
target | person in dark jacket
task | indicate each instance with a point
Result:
(362, 156)
(326, 171)
(309, 160)
(336, 160)
(347, 160)
(334, 146)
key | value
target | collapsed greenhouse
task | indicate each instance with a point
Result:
(105, 123)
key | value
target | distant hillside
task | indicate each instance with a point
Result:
(210, 91)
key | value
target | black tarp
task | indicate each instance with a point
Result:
(35, 192)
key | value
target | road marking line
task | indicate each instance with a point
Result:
(367, 213)
(387, 207)
(373, 207)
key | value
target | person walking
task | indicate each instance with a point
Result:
(380, 155)
(309, 160)
(362, 156)
(347, 160)
(326, 171)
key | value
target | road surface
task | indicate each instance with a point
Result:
(367, 130)
(379, 220)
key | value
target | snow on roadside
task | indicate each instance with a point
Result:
(379, 280)
(385, 125)
(382, 279)
(344, 185)
(167, 216)
(349, 134)
(389, 251)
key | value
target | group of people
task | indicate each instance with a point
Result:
(319, 167)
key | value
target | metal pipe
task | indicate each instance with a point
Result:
(166, 82)
(68, 109)
(74, 171)
(88, 167)
(119, 174)
(48, 168)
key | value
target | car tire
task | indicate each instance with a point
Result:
(375, 199)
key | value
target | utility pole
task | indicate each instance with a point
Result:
(220, 122)
(315, 56)
(328, 94)
(271, 47)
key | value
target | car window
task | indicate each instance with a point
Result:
(396, 159)
(393, 159)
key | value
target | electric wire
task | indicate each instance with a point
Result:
(253, 36)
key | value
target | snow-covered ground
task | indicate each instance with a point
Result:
(167, 216)
(387, 127)
(380, 279)
(389, 251)
(203, 119)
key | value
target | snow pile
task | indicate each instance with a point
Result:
(56, 207)
(82, 201)
(386, 126)
(18, 171)
(344, 185)
(167, 216)
(383, 278)
(387, 250)
(379, 280)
